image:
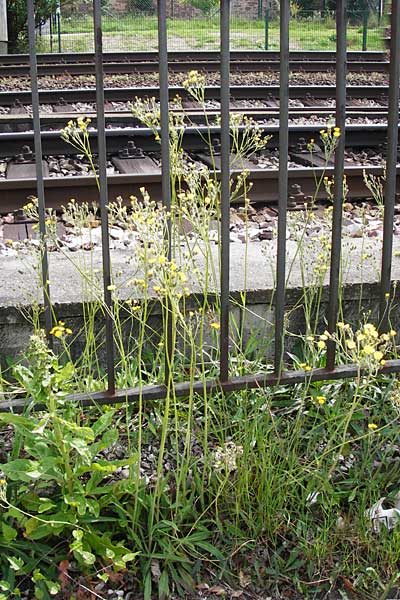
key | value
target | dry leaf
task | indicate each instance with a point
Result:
(244, 579)
(217, 590)
(63, 576)
(155, 570)
(202, 586)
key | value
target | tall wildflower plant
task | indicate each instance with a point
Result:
(165, 494)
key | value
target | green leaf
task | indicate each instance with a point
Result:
(53, 587)
(9, 533)
(147, 587)
(15, 562)
(103, 423)
(17, 420)
(88, 557)
(163, 586)
(45, 506)
(130, 556)
(22, 469)
(4, 585)
(84, 433)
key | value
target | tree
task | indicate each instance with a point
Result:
(206, 6)
(17, 20)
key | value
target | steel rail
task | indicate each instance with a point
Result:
(122, 68)
(263, 92)
(191, 56)
(358, 136)
(59, 190)
(10, 123)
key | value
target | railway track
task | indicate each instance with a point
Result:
(138, 164)
(135, 162)
(357, 136)
(58, 191)
(267, 93)
(139, 62)
(11, 123)
(189, 55)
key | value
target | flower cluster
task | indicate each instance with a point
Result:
(76, 134)
(225, 459)
(31, 210)
(195, 84)
(3, 489)
(75, 127)
(365, 347)
(60, 330)
(148, 112)
(330, 137)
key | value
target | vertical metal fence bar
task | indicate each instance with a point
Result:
(391, 161)
(283, 181)
(225, 188)
(39, 165)
(51, 32)
(58, 13)
(101, 140)
(341, 71)
(266, 44)
(165, 150)
(365, 27)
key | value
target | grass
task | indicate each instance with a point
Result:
(140, 33)
(261, 491)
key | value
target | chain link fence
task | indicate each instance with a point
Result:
(132, 25)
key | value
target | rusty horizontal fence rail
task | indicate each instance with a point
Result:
(225, 382)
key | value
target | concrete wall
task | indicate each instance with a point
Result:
(3, 27)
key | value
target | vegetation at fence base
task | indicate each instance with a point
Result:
(17, 16)
(140, 33)
(255, 490)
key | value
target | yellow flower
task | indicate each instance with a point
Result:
(321, 400)
(162, 260)
(310, 338)
(350, 344)
(215, 325)
(321, 345)
(372, 426)
(392, 333)
(59, 330)
(111, 288)
(378, 355)
(368, 350)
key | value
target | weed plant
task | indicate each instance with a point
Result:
(261, 490)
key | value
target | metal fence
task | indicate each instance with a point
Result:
(225, 382)
(309, 30)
